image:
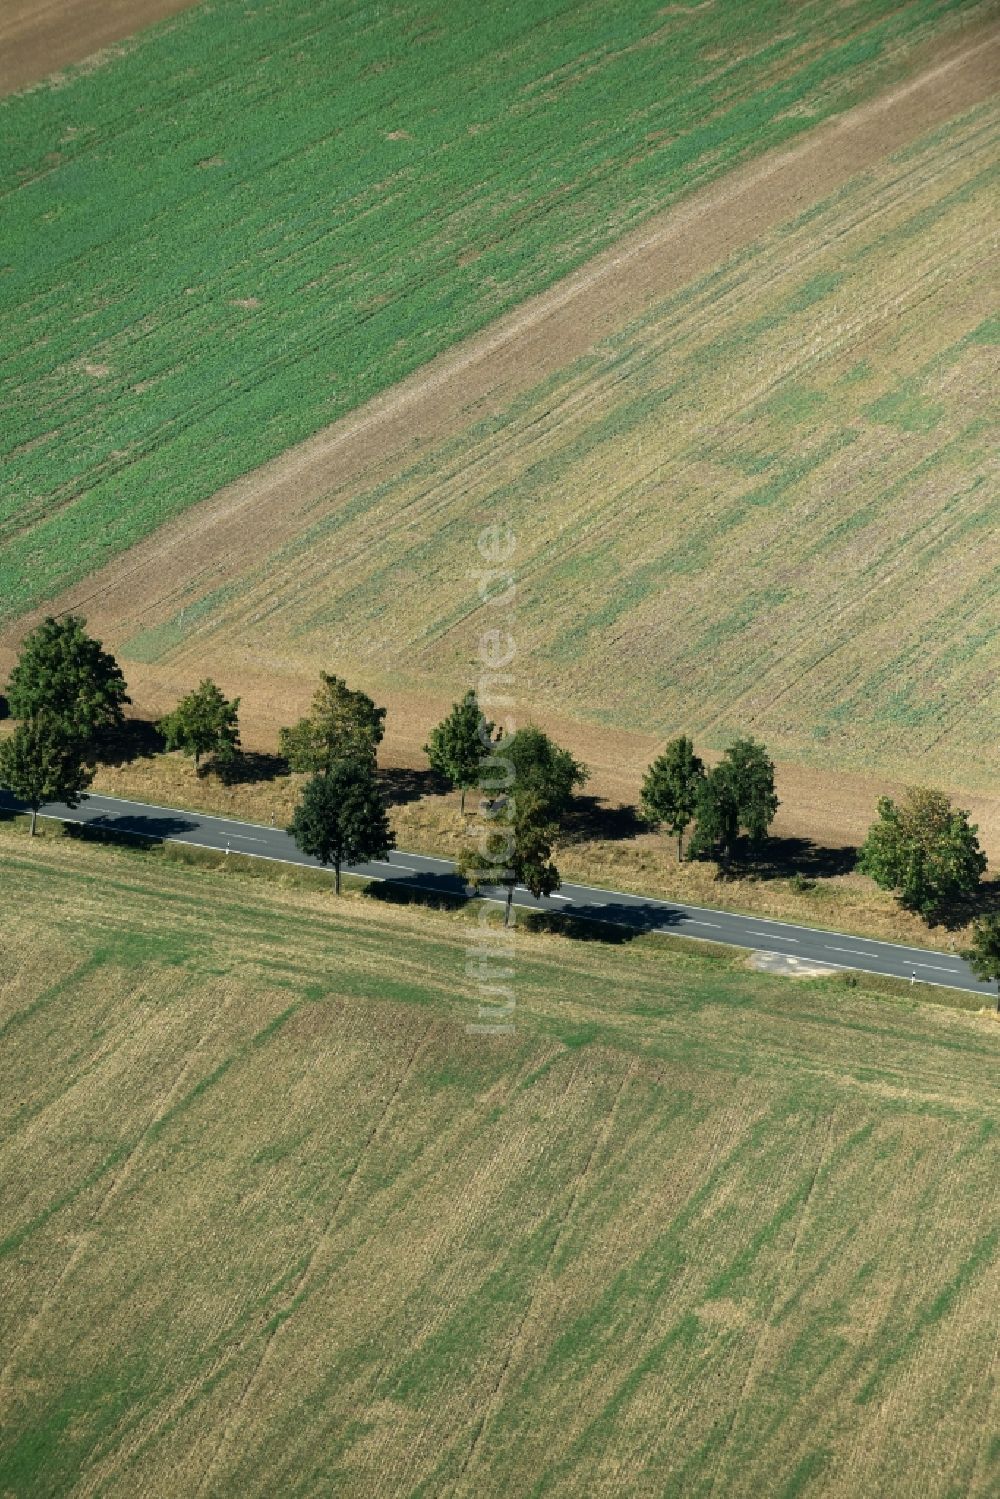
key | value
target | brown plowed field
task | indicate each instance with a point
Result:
(214, 546)
(38, 37)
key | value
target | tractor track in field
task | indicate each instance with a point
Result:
(224, 535)
(219, 541)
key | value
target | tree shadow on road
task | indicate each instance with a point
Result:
(579, 928)
(435, 892)
(138, 831)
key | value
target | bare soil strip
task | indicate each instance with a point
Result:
(38, 37)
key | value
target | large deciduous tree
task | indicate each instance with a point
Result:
(670, 790)
(528, 761)
(43, 762)
(67, 675)
(983, 956)
(341, 817)
(737, 796)
(924, 849)
(205, 722)
(342, 724)
(516, 850)
(460, 743)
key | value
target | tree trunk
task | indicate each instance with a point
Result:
(509, 906)
(462, 805)
(336, 876)
(34, 817)
(680, 847)
(197, 757)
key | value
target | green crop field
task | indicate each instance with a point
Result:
(767, 505)
(274, 1222)
(254, 218)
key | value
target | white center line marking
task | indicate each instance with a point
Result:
(773, 936)
(690, 921)
(856, 951)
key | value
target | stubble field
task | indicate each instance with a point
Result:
(272, 1221)
(766, 505)
(250, 222)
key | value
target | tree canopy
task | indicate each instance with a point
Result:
(204, 723)
(924, 849)
(341, 817)
(460, 743)
(983, 956)
(737, 796)
(43, 762)
(66, 674)
(517, 850)
(343, 724)
(670, 789)
(528, 761)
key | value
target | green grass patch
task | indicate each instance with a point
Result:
(250, 221)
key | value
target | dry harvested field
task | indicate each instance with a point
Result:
(767, 503)
(273, 1222)
(255, 219)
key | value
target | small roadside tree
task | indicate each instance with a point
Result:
(204, 723)
(460, 743)
(925, 850)
(341, 817)
(342, 724)
(983, 957)
(670, 790)
(42, 762)
(736, 796)
(517, 850)
(67, 675)
(532, 764)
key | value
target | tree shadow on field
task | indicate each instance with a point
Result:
(958, 913)
(589, 819)
(580, 929)
(788, 858)
(136, 739)
(401, 784)
(247, 768)
(435, 892)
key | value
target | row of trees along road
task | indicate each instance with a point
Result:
(69, 696)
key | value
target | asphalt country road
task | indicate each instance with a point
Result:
(433, 876)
